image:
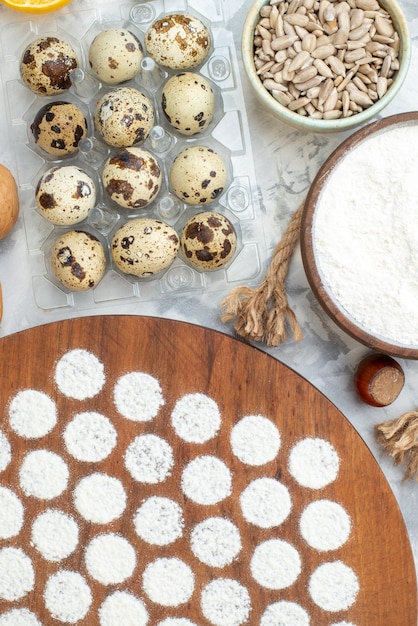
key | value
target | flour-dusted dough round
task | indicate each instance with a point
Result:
(115, 55)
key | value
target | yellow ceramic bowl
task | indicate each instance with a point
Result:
(309, 124)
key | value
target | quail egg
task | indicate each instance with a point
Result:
(132, 178)
(115, 55)
(208, 241)
(46, 64)
(198, 175)
(178, 41)
(144, 246)
(65, 195)
(188, 102)
(58, 128)
(78, 260)
(124, 117)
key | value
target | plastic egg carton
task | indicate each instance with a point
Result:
(228, 134)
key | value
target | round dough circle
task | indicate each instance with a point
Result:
(11, 513)
(100, 498)
(168, 581)
(334, 586)
(90, 437)
(325, 525)
(79, 374)
(54, 535)
(110, 559)
(65, 195)
(265, 502)
(122, 608)
(17, 576)
(115, 55)
(43, 474)
(149, 459)
(67, 596)
(206, 480)
(285, 612)
(255, 440)
(19, 617)
(216, 541)
(32, 413)
(159, 521)
(196, 418)
(138, 396)
(313, 463)
(275, 564)
(225, 602)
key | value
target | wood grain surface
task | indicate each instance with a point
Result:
(243, 381)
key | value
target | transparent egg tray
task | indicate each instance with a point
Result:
(228, 134)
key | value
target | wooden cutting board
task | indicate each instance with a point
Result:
(242, 380)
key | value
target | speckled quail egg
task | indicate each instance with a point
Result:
(188, 102)
(115, 55)
(178, 41)
(46, 64)
(132, 178)
(208, 241)
(78, 260)
(65, 195)
(58, 128)
(144, 247)
(198, 175)
(124, 117)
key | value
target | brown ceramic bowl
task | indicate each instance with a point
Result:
(325, 293)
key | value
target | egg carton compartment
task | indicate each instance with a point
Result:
(227, 134)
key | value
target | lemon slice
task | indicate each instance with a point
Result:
(35, 6)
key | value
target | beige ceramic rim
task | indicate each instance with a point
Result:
(321, 292)
(305, 123)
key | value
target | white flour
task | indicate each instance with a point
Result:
(366, 234)
(67, 596)
(123, 609)
(284, 613)
(175, 621)
(110, 559)
(90, 437)
(275, 564)
(5, 452)
(43, 474)
(314, 463)
(100, 498)
(196, 418)
(265, 502)
(255, 440)
(149, 459)
(216, 541)
(333, 586)
(325, 525)
(54, 535)
(79, 374)
(11, 514)
(343, 624)
(138, 396)
(17, 576)
(206, 480)
(159, 521)
(19, 617)
(225, 602)
(168, 582)
(32, 414)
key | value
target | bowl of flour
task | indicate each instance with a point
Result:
(359, 235)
